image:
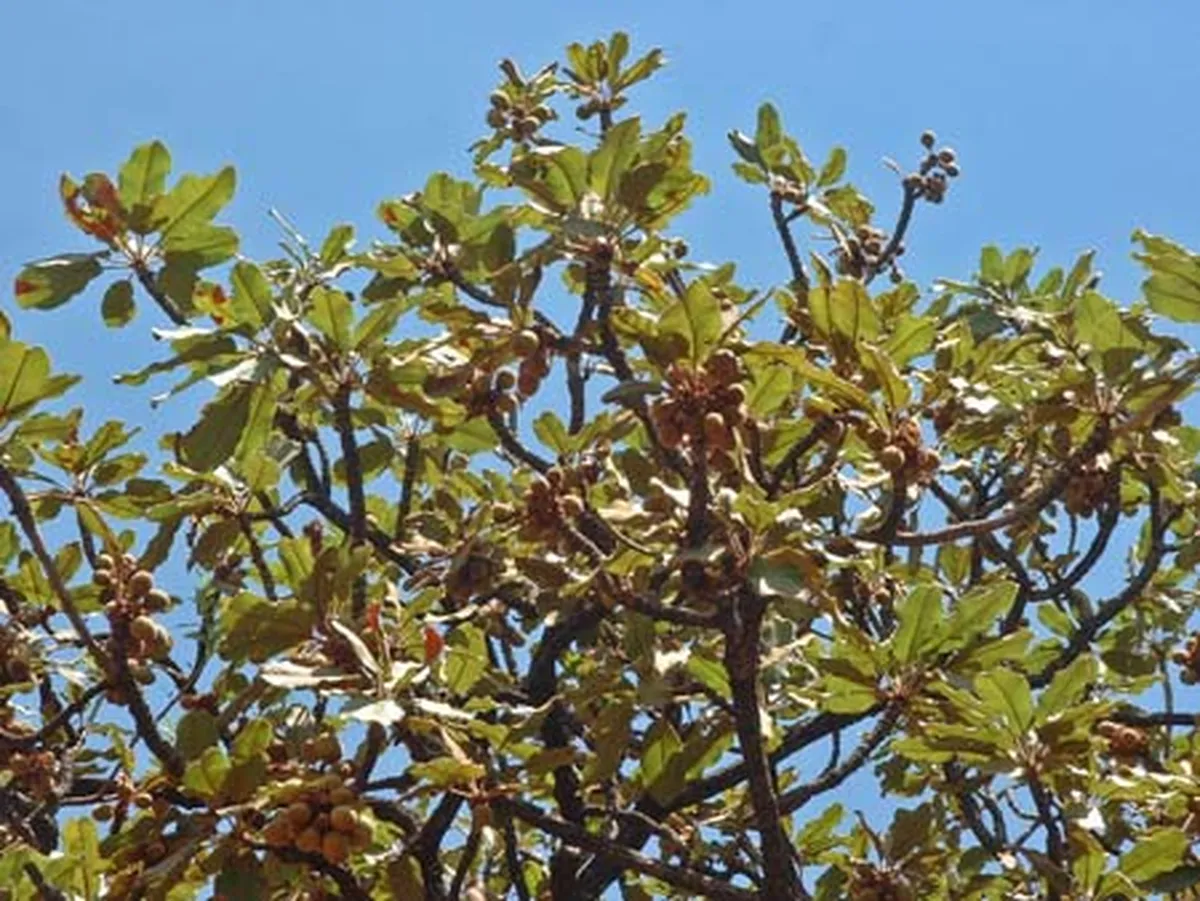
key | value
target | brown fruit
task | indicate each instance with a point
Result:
(526, 342)
(105, 561)
(155, 851)
(102, 814)
(892, 458)
(335, 848)
(342, 796)
(143, 628)
(329, 749)
(928, 139)
(343, 819)
(309, 841)
(716, 433)
(144, 800)
(361, 838)
(723, 367)
(140, 583)
(571, 506)
(505, 380)
(129, 562)
(157, 600)
(102, 577)
(279, 832)
(299, 814)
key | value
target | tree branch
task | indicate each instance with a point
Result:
(577, 837)
(741, 663)
(892, 248)
(354, 488)
(146, 279)
(24, 515)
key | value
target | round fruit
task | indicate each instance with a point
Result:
(299, 814)
(143, 628)
(279, 832)
(571, 506)
(102, 814)
(105, 561)
(928, 139)
(526, 342)
(129, 562)
(140, 583)
(329, 748)
(343, 819)
(892, 458)
(335, 848)
(342, 796)
(102, 577)
(157, 600)
(309, 841)
(505, 380)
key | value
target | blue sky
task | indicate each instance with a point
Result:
(1075, 121)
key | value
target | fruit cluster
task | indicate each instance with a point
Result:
(1124, 742)
(318, 814)
(932, 180)
(36, 772)
(1189, 659)
(535, 361)
(871, 883)
(702, 408)
(15, 663)
(548, 506)
(131, 598)
(519, 118)
(865, 251)
(902, 452)
(1086, 490)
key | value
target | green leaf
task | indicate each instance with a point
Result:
(640, 70)
(213, 439)
(242, 879)
(847, 696)
(1007, 694)
(446, 772)
(1173, 288)
(834, 168)
(745, 147)
(1067, 687)
(709, 673)
(25, 378)
(332, 313)
(333, 248)
(991, 265)
(612, 158)
(194, 200)
(118, 306)
(49, 283)
(920, 618)
(144, 175)
(206, 776)
(252, 297)
(769, 131)
(1159, 851)
(466, 659)
(977, 610)
(200, 246)
(912, 337)
(697, 318)
(81, 846)
(253, 740)
(196, 732)
(662, 743)
(552, 433)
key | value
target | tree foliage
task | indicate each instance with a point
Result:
(528, 558)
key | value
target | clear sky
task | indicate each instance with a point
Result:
(1075, 121)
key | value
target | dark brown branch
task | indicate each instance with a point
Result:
(512, 444)
(426, 847)
(465, 862)
(1082, 637)
(1143, 719)
(342, 878)
(146, 279)
(577, 837)
(412, 459)
(20, 742)
(797, 797)
(257, 558)
(25, 518)
(512, 859)
(354, 487)
(903, 220)
(819, 430)
(795, 262)
(741, 663)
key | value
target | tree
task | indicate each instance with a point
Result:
(531, 558)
